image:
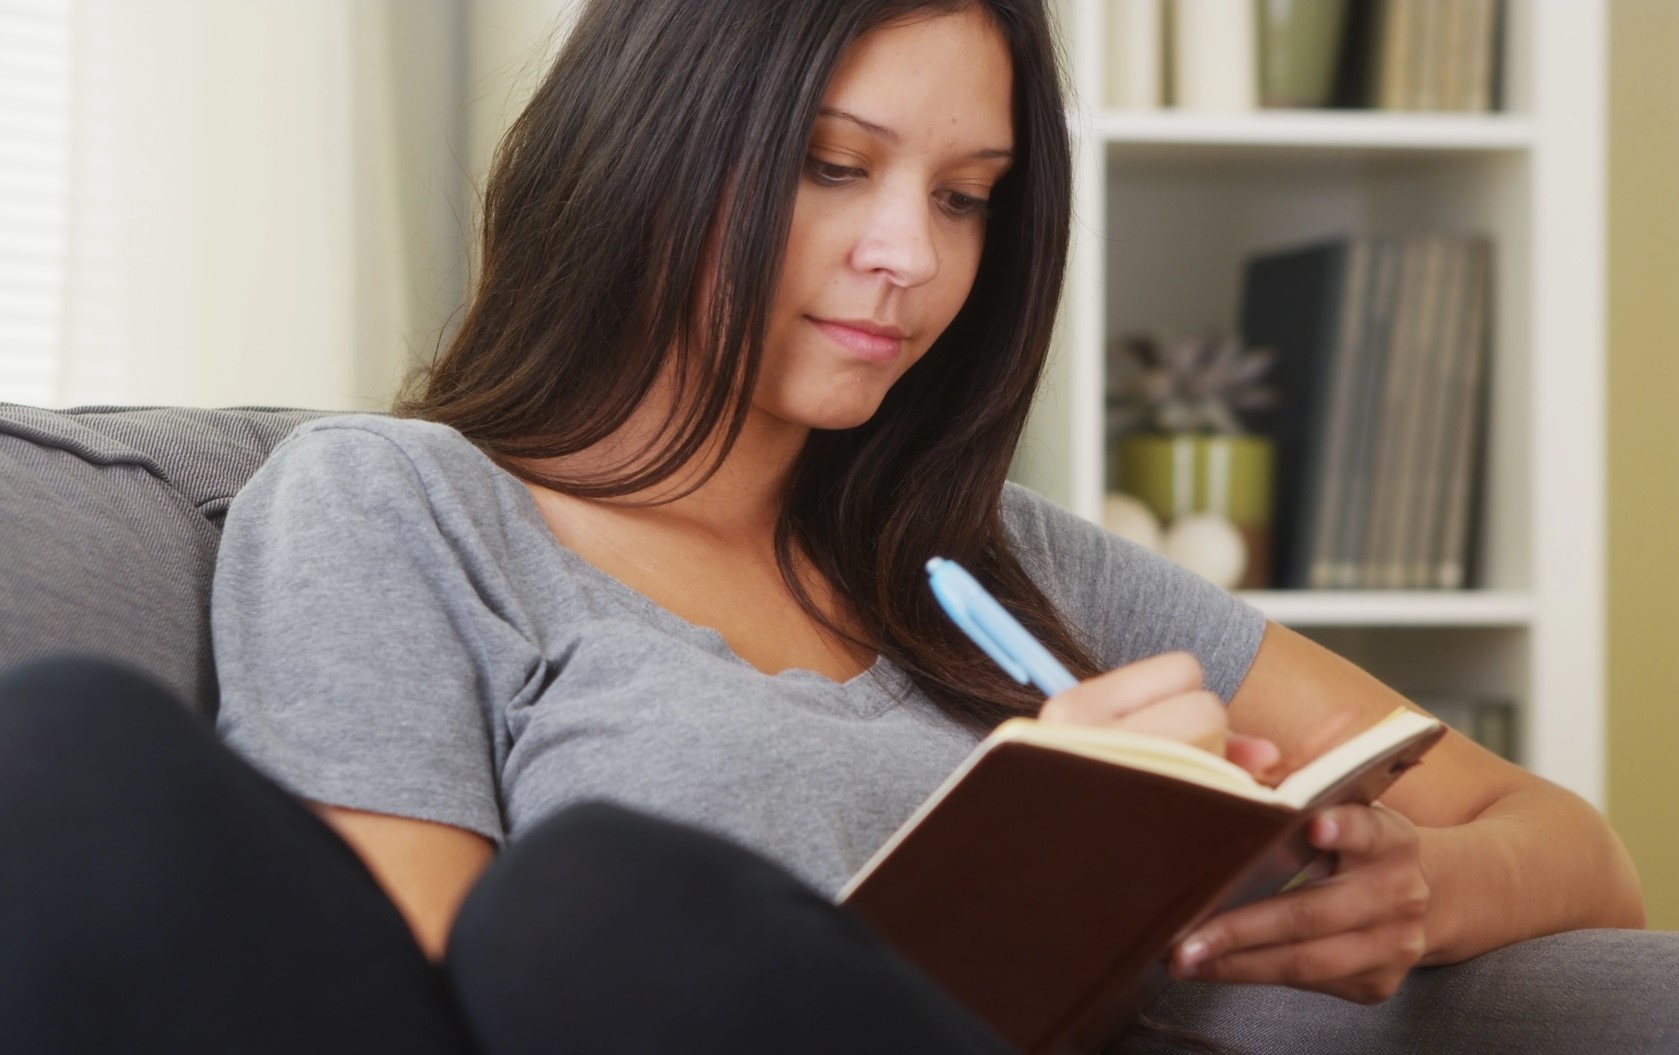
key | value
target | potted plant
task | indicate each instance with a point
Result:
(1178, 447)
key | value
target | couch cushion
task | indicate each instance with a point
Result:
(109, 522)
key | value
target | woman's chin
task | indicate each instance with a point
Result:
(829, 415)
(836, 420)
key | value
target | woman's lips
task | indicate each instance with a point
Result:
(869, 341)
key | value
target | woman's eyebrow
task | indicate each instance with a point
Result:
(883, 133)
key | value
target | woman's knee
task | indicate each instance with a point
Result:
(595, 868)
(629, 932)
(64, 708)
(85, 743)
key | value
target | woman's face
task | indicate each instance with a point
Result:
(915, 130)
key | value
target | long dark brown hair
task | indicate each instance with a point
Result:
(668, 130)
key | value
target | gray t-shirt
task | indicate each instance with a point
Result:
(397, 630)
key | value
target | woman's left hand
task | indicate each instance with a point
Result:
(1352, 934)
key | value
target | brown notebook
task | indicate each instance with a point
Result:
(1045, 881)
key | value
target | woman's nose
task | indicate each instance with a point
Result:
(899, 239)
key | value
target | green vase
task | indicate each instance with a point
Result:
(1299, 46)
(1229, 476)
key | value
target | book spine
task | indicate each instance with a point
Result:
(1291, 304)
(1484, 48)
(1214, 55)
(1455, 63)
(1427, 54)
(1445, 358)
(1411, 23)
(1333, 442)
(1494, 728)
(1414, 399)
(1359, 62)
(1452, 571)
(1384, 485)
(1490, 723)
(1372, 367)
(1136, 39)
(1391, 67)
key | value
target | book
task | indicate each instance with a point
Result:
(1434, 55)
(1426, 511)
(1355, 71)
(1454, 61)
(1381, 344)
(1465, 438)
(1397, 391)
(1044, 883)
(1135, 42)
(1481, 88)
(1426, 54)
(1334, 449)
(1214, 55)
(1415, 396)
(1489, 722)
(1347, 563)
(1395, 53)
(1295, 302)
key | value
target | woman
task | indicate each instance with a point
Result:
(766, 290)
(759, 373)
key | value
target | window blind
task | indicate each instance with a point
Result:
(35, 184)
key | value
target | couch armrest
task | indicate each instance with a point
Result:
(1589, 990)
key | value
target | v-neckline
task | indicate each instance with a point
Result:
(881, 671)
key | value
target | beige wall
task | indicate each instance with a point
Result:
(1644, 443)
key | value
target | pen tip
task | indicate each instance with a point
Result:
(933, 564)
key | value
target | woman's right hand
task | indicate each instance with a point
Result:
(1164, 695)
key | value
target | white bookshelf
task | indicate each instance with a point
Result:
(1168, 203)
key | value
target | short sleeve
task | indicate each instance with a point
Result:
(1128, 602)
(361, 659)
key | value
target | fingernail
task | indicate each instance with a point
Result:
(1194, 951)
(1327, 831)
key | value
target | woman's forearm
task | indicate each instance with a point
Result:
(1538, 861)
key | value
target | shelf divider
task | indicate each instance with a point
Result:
(1320, 129)
(1412, 608)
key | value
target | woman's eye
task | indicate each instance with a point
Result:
(829, 174)
(963, 206)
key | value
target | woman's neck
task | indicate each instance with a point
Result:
(740, 502)
(744, 496)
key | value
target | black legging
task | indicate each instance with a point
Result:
(157, 894)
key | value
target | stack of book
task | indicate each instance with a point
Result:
(1489, 722)
(1382, 361)
(1439, 55)
(1231, 55)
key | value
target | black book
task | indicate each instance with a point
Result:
(1302, 304)
(1355, 66)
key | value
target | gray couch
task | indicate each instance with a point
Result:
(109, 522)
(110, 519)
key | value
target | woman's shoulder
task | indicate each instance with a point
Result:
(354, 467)
(1067, 554)
(382, 456)
(368, 433)
(1129, 601)
(1045, 534)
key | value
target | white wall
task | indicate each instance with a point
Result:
(285, 191)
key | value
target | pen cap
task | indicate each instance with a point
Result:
(994, 630)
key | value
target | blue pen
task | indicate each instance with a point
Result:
(995, 630)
